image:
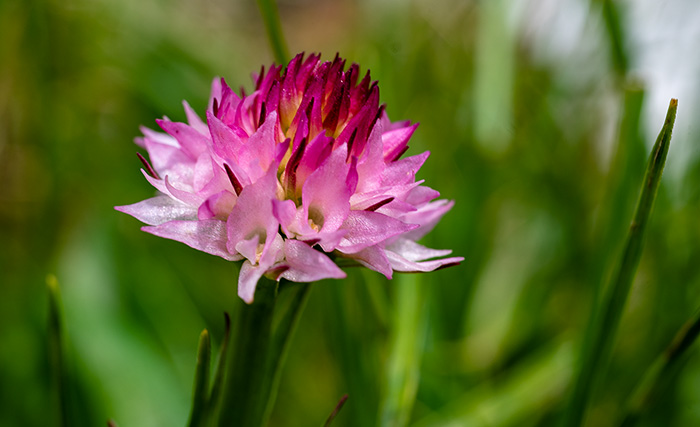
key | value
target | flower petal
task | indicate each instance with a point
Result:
(205, 235)
(365, 228)
(191, 142)
(427, 217)
(158, 210)
(253, 214)
(396, 141)
(248, 280)
(374, 258)
(325, 195)
(307, 264)
(399, 263)
(413, 251)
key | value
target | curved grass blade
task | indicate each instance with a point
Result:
(664, 370)
(606, 319)
(200, 393)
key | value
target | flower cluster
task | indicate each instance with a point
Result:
(304, 170)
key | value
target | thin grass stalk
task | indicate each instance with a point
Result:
(405, 354)
(271, 17)
(600, 336)
(57, 366)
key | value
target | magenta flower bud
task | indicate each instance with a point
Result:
(304, 170)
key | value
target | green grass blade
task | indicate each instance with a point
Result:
(520, 395)
(59, 378)
(664, 370)
(600, 336)
(270, 14)
(200, 392)
(403, 365)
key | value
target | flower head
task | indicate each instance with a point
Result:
(304, 170)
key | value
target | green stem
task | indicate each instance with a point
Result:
(260, 343)
(244, 390)
(270, 14)
(201, 381)
(603, 326)
(281, 341)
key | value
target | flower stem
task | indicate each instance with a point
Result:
(244, 394)
(200, 391)
(605, 320)
(281, 340)
(270, 14)
(260, 342)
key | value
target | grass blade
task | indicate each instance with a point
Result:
(56, 348)
(403, 365)
(662, 372)
(271, 16)
(603, 326)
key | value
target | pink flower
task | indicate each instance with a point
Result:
(304, 170)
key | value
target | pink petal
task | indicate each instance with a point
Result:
(227, 142)
(395, 141)
(371, 163)
(194, 120)
(185, 195)
(307, 264)
(252, 214)
(158, 210)
(165, 157)
(427, 217)
(421, 195)
(218, 205)
(159, 137)
(325, 195)
(374, 258)
(366, 228)
(191, 142)
(205, 235)
(259, 150)
(399, 263)
(248, 280)
(403, 171)
(285, 212)
(413, 251)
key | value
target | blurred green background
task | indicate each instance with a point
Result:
(539, 116)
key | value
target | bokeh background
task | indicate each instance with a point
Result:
(539, 115)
